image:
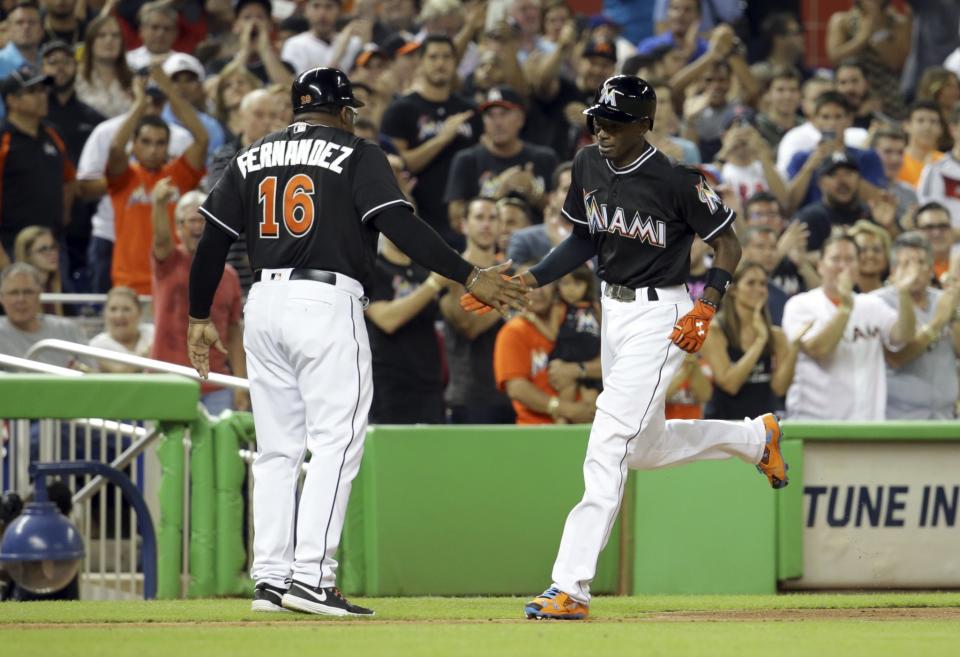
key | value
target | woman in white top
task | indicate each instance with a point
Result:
(124, 331)
(104, 80)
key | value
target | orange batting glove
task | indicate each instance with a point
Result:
(691, 330)
(472, 304)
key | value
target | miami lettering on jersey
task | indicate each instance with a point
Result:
(303, 152)
(649, 230)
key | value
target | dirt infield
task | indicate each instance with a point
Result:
(734, 616)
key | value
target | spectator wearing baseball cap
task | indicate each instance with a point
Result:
(839, 182)
(322, 45)
(73, 119)
(404, 58)
(501, 163)
(36, 183)
(604, 28)
(832, 116)
(187, 75)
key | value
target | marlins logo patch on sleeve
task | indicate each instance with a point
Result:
(707, 196)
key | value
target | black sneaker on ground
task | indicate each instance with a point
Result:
(268, 598)
(329, 601)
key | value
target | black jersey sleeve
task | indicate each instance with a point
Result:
(375, 187)
(224, 206)
(574, 206)
(699, 205)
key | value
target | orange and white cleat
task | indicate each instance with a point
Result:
(554, 603)
(772, 463)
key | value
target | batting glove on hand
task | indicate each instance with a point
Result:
(472, 304)
(691, 330)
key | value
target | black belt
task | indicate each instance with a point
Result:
(624, 293)
(317, 275)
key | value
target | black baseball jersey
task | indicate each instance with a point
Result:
(642, 217)
(305, 196)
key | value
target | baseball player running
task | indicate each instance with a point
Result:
(311, 199)
(638, 214)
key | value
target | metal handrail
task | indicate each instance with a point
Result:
(122, 460)
(72, 298)
(77, 349)
(25, 365)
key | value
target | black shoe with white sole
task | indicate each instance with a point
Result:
(329, 601)
(268, 598)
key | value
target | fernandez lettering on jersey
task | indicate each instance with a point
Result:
(649, 230)
(302, 152)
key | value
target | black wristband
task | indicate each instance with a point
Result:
(718, 279)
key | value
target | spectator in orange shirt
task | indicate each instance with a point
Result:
(923, 130)
(933, 220)
(171, 303)
(520, 363)
(130, 184)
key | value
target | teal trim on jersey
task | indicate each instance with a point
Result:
(109, 396)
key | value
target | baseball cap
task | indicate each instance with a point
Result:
(840, 159)
(398, 45)
(22, 78)
(503, 97)
(55, 46)
(600, 48)
(740, 114)
(178, 62)
(600, 19)
(266, 4)
(368, 52)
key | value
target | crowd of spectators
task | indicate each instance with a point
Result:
(120, 115)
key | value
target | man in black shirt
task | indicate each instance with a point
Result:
(840, 205)
(407, 387)
(311, 200)
(73, 121)
(638, 214)
(36, 174)
(428, 126)
(501, 163)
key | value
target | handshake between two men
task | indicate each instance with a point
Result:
(491, 289)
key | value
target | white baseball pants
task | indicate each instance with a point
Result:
(629, 430)
(308, 362)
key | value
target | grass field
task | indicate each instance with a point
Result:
(911, 625)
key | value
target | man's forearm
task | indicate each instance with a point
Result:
(906, 326)
(567, 256)
(207, 270)
(421, 243)
(824, 343)
(118, 159)
(419, 158)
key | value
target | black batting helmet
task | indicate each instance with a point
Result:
(322, 87)
(625, 99)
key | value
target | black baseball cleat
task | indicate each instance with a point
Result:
(268, 598)
(328, 601)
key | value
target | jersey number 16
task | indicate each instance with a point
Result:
(296, 206)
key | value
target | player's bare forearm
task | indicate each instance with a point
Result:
(726, 249)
